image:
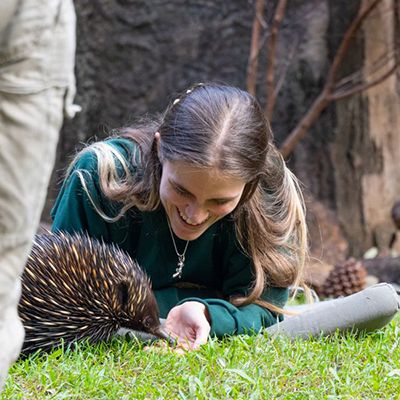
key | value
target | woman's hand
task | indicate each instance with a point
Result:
(189, 325)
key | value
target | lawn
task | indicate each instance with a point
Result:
(242, 367)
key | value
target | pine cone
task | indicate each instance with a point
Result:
(346, 278)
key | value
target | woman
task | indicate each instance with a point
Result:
(203, 200)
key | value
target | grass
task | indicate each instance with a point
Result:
(242, 367)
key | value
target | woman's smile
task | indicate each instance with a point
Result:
(187, 221)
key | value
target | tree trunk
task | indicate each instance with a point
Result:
(367, 146)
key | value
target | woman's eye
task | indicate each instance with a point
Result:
(180, 191)
(221, 202)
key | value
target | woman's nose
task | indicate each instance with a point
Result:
(196, 214)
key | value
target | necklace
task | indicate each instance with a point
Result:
(181, 257)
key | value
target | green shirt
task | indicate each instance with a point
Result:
(215, 266)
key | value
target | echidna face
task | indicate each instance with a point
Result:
(139, 309)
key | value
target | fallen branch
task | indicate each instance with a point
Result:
(386, 269)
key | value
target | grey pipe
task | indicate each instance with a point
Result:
(368, 310)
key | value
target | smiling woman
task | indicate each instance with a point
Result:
(202, 199)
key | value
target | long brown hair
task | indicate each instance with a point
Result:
(221, 126)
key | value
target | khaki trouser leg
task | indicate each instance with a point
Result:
(36, 80)
(26, 161)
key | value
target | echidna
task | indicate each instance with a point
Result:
(75, 287)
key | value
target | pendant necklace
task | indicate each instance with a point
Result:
(181, 257)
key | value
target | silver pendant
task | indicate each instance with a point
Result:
(179, 269)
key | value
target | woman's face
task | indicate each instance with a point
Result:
(194, 198)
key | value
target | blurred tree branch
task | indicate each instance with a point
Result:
(271, 66)
(255, 46)
(333, 89)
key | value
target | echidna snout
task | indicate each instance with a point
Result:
(146, 313)
(75, 287)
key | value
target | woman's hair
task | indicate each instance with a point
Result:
(220, 126)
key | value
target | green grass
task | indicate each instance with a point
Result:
(242, 367)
